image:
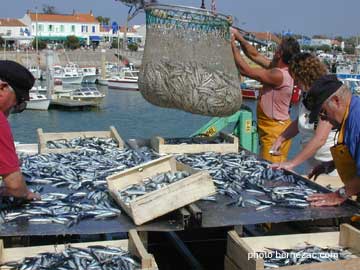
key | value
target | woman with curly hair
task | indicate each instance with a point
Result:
(316, 139)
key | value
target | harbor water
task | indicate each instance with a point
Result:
(132, 116)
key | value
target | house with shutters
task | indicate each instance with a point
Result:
(13, 31)
(54, 28)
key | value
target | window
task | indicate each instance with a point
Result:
(51, 28)
(73, 28)
(83, 28)
(93, 29)
(87, 29)
(41, 27)
(62, 28)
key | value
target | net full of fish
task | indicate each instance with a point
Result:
(80, 143)
(83, 173)
(250, 182)
(91, 258)
(188, 63)
(151, 184)
(276, 258)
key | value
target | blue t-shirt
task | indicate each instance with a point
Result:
(352, 131)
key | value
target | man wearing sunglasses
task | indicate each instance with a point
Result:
(15, 84)
(330, 100)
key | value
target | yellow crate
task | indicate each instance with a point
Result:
(238, 249)
(157, 203)
(43, 138)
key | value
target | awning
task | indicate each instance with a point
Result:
(57, 38)
(95, 38)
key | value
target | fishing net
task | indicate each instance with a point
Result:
(188, 63)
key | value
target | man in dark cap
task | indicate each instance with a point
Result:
(330, 100)
(15, 84)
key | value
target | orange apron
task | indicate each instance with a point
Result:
(344, 162)
(269, 130)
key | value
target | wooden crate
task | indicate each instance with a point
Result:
(232, 145)
(133, 245)
(157, 203)
(238, 249)
(43, 138)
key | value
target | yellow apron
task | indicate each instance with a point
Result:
(269, 130)
(344, 162)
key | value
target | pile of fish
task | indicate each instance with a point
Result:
(101, 144)
(65, 209)
(92, 257)
(191, 87)
(151, 184)
(87, 168)
(197, 140)
(249, 181)
(84, 172)
(275, 258)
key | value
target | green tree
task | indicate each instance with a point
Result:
(114, 43)
(41, 44)
(103, 20)
(133, 47)
(324, 48)
(72, 42)
(339, 38)
(47, 9)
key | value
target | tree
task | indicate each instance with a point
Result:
(339, 38)
(320, 37)
(115, 43)
(324, 48)
(47, 9)
(103, 20)
(133, 47)
(41, 44)
(72, 42)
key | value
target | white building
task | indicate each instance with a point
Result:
(14, 31)
(56, 27)
(317, 42)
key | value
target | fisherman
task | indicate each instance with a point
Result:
(330, 100)
(15, 83)
(316, 138)
(273, 108)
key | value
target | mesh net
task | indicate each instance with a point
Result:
(188, 63)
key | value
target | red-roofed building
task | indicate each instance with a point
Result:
(56, 27)
(12, 28)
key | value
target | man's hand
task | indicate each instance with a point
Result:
(15, 186)
(329, 199)
(31, 196)
(283, 165)
(316, 171)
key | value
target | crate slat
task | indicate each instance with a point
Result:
(232, 145)
(239, 248)
(160, 202)
(43, 138)
(133, 245)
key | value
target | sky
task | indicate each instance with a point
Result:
(305, 17)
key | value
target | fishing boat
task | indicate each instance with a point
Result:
(36, 72)
(38, 102)
(90, 74)
(126, 79)
(83, 94)
(250, 89)
(68, 74)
